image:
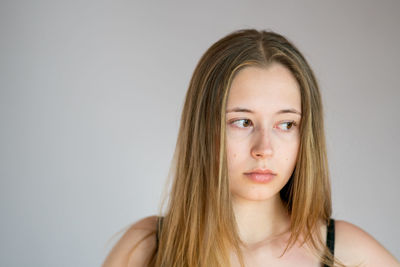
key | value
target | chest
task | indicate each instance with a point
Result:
(272, 256)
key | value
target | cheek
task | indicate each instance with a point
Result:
(231, 154)
(287, 151)
(230, 148)
(234, 153)
(291, 156)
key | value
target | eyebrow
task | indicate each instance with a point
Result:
(239, 109)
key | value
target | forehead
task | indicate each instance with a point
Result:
(270, 88)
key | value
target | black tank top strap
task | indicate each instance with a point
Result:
(330, 237)
(158, 230)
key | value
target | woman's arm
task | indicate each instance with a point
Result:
(353, 246)
(125, 254)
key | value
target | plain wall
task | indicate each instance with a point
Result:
(90, 102)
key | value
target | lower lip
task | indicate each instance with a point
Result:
(260, 178)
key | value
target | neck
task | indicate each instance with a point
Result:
(260, 221)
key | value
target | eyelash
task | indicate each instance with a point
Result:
(293, 123)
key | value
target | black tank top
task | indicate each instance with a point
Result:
(330, 235)
(330, 238)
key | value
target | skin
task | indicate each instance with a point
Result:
(262, 139)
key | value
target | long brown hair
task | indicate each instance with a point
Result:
(199, 226)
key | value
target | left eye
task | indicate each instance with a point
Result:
(287, 125)
(242, 123)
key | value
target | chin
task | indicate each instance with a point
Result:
(255, 195)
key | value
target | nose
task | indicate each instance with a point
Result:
(262, 146)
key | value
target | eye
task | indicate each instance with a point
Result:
(242, 123)
(287, 125)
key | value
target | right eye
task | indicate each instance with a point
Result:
(242, 123)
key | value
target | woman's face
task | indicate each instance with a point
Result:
(263, 118)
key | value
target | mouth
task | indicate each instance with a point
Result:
(260, 171)
(260, 175)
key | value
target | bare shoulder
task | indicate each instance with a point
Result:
(354, 246)
(135, 246)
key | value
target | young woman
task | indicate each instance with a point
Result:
(250, 183)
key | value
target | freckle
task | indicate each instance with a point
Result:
(234, 155)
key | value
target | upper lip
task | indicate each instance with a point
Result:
(261, 171)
